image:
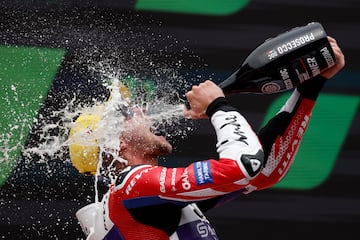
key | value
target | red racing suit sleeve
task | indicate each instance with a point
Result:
(282, 135)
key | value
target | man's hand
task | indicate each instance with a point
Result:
(339, 57)
(199, 98)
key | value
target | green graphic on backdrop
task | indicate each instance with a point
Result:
(26, 75)
(200, 7)
(322, 142)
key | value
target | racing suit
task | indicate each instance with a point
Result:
(156, 202)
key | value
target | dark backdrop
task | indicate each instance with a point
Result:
(36, 205)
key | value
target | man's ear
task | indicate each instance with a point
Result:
(123, 145)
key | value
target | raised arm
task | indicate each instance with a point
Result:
(282, 135)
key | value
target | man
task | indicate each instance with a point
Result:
(147, 201)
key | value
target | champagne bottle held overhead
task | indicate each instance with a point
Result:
(283, 62)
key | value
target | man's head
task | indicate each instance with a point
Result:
(138, 143)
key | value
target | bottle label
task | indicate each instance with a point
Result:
(285, 76)
(270, 87)
(291, 45)
(325, 52)
(306, 66)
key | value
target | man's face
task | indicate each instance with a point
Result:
(139, 135)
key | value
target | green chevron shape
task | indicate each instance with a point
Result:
(331, 119)
(26, 74)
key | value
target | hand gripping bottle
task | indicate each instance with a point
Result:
(283, 62)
